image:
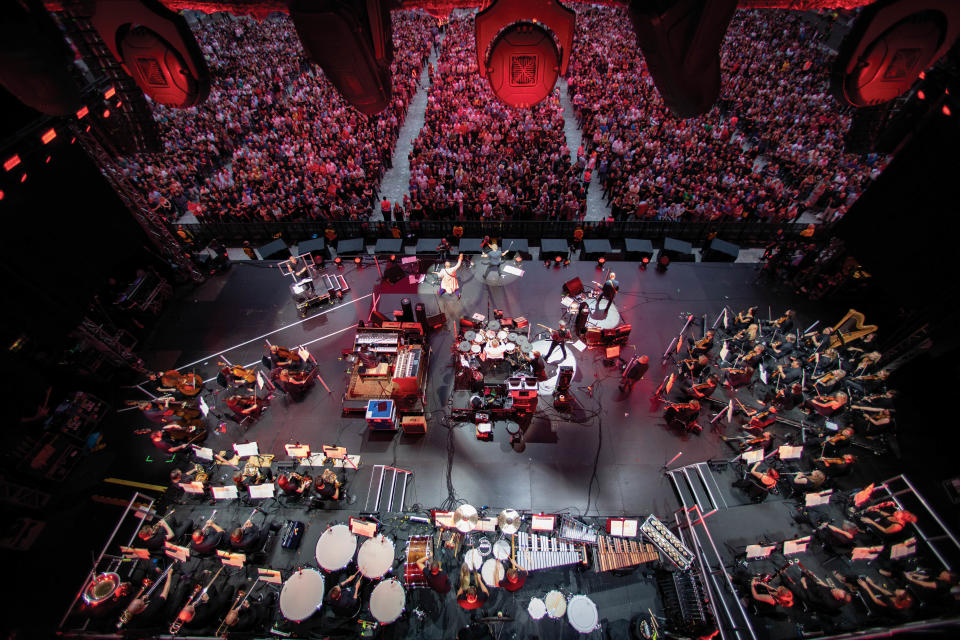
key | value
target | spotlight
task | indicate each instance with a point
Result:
(921, 95)
(600, 262)
(23, 178)
(518, 258)
(946, 110)
(662, 263)
(11, 162)
(643, 263)
(357, 261)
(2, 194)
(566, 262)
(48, 136)
(106, 113)
(337, 261)
(393, 258)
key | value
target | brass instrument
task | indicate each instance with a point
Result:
(872, 409)
(241, 598)
(126, 615)
(851, 328)
(192, 601)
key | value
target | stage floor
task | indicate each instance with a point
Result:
(606, 461)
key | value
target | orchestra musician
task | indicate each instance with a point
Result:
(702, 390)
(243, 406)
(785, 322)
(746, 317)
(201, 617)
(768, 599)
(328, 487)
(899, 601)
(146, 613)
(470, 598)
(449, 283)
(835, 467)
(828, 382)
(811, 481)
(759, 419)
(746, 337)
(695, 367)
(293, 484)
(700, 348)
(634, 371)
(434, 575)
(886, 518)
(828, 405)
(205, 540)
(757, 483)
(788, 398)
(283, 358)
(820, 596)
(249, 537)
(153, 536)
(175, 437)
(609, 290)
(251, 615)
(791, 374)
(754, 357)
(296, 383)
(741, 377)
(559, 339)
(515, 577)
(342, 597)
(781, 349)
(684, 416)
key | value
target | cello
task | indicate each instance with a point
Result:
(188, 384)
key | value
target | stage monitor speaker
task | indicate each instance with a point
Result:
(466, 323)
(436, 322)
(407, 307)
(378, 318)
(276, 250)
(720, 251)
(573, 287)
(677, 250)
(564, 379)
(394, 273)
(421, 312)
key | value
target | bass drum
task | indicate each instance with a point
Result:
(582, 614)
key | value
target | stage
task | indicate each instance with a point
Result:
(603, 459)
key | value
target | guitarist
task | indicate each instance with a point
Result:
(494, 257)
(559, 339)
(608, 292)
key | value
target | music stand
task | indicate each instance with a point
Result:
(298, 451)
(340, 453)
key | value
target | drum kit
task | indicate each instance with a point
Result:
(581, 611)
(515, 345)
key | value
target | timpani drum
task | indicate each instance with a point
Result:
(301, 595)
(493, 325)
(387, 601)
(375, 557)
(536, 608)
(464, 347)
(556, 604)
(502, 335)
(470, 336)
(473, 559)
(492, 572)
(474, 348)
(501, 550)
(582, 614)
(336, 547)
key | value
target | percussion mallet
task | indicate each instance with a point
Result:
(719, 413)
(673, 459)
(323, 383)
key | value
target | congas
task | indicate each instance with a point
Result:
(501, 550)
(464, 347)
(501, 335)
(493, 325)
(473, 559)
(582, 614)
(336, 547)
(556, 604)
(536, 608)
(470, 336)
(492, 572)
(387, 601)
(375, 557)
(301, 595)
(475, 348)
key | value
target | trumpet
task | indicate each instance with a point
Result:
(192, 601)
(241, 598)
(127, 615)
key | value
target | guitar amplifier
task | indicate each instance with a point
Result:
(292, 535)
(413, 424)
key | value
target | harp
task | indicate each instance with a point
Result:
(850, 328)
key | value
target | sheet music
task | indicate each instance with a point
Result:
(579, 345)
(194, 488)
(416, 279)
(297, 450)
(260, 491)
(542, 523)
(443, 518)
(509, 268)
(135, 552)
(906, 548)
(260, 381)
(363, 528)
(616, 527)
(763, 375)
(304, 354)
(228, 492)
(335, 453)
(203, 453)
(176, 552)
(630, 526)
(247, 449)
(788, 452)
(314, 460)
(270, 575)
(487, 524)
(866, 553)
(796, 546)
(816, 499)
(755, 551)
(724, 351)
(232, 559)
(751, 456)
(204, 409)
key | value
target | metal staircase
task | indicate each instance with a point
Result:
(696, 486)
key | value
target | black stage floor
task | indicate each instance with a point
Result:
(608, 463)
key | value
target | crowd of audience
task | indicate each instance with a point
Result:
(478, 158)
(771, 148)
(275, 141)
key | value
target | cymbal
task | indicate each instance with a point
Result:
(509, 521)
(465, 518)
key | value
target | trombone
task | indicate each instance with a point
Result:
(192, 602)
(241, 598)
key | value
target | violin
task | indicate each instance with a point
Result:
(247, 375)
(188, 384)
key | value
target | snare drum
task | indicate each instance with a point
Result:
(387, 601)
(582, 614)
(510, 347)
(536, 608)
(492, 572)
(301, 595)
(484, 547)
(475, 348)
(556, 604)
(336, 547)
(491, 334)
(473, 559)
(464, 347)
(375, 557)
(502, 335)
(469, 336)
(501, 550)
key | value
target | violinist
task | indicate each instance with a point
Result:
(809, 481)
(741, 377)
(700, 347)
(828, 405)
(768, 599)
(824, 360)
(245, 406)
(899, 601)
(173, 437)
(817, 341)
(791, 374)
(754, 357)
(780, 349)
(835, 467)
(828, 382)
(868, 363)
(746, 317)
(283, 358)
(702, 390)
(834, 442)
(764, 440)
(758, 484)
(789, 397)
(745, 337)
(684, 416)
(821, 596)
(785, 322)
(886, 518)
(877, 421)
(867, 384)
(237, 375)
(883, 400)
(695, 367)
(759, 419)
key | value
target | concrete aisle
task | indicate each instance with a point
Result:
(597, 208)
